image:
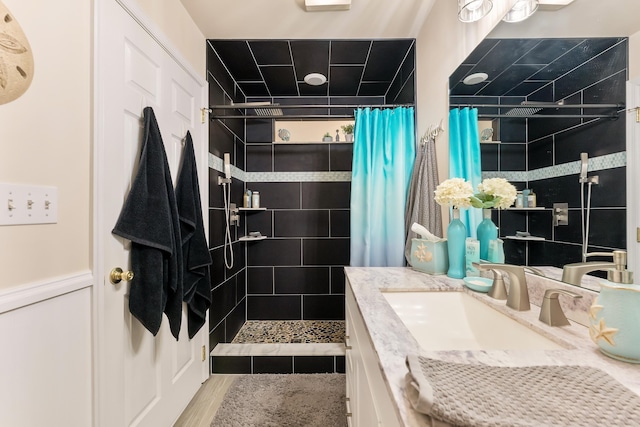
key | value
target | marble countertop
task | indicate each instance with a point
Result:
(393, 342)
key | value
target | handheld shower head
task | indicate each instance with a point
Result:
(584, 166)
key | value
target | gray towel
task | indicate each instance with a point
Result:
(421, 206)
(497, 396)
(149, 218)
(195, 251)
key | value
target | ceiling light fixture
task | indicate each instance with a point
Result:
(326, 5)
(473, 10)
(521, 11)
(315, 79)
(475, 78)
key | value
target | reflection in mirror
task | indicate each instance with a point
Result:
(548, 99)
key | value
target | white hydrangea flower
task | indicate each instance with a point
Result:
(496, 192)
(454, 192)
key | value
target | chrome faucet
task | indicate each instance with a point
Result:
(518, 295)
(572, 273)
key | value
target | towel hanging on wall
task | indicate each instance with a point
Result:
(149, 218)
(195, 251)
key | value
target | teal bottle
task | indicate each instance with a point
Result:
(456, 247)
(485, 232)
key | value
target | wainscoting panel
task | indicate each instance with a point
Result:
(46, 359)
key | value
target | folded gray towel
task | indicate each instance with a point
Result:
(497, 396)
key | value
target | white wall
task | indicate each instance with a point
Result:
(634, 56)
(442, 45)
(173, 20)
(45, 139)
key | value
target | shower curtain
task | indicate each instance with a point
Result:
(464, 158)
(383, 155)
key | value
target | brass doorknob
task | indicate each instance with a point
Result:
(117, 275)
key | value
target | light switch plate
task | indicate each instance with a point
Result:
(28, 204)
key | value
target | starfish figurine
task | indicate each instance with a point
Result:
(595, 309)
(600, 330)
(422, 254)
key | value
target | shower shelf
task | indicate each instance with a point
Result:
(251, 239)
(537, 208)
(252, 209)
(530, 238)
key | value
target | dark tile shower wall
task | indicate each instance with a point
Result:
(531, 144)
(297, 273)
(228, 299)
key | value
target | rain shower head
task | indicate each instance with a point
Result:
(534, 107)
(261, 108)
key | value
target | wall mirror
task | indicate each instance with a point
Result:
(556, 89)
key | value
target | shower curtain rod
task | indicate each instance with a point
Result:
(248, 106)
(539, 105)
(270, 108)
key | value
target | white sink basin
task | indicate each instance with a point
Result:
(457, 321)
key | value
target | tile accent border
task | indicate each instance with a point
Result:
(609, 161)
(216, 163)
(298, 176)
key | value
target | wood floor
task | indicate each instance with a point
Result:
(203, 406)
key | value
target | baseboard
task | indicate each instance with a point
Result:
(23, 295)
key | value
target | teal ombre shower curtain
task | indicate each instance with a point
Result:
(464, 158)
(383, 155)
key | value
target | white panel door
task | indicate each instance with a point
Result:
(145, 380)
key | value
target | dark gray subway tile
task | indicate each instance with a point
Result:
(260, 280)
(278, 195)
(323, 307)
(272, 252)
(276, 307)
(340, 223)
(326, 195)
(300, 158)
(301, 223)
(301, 280)
(326, 251)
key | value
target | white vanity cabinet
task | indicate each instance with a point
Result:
(368, 401)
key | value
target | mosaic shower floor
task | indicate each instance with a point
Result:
(290, 331)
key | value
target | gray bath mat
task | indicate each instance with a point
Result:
(284, 400)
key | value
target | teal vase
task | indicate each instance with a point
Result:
(456, 237)
(486, 231)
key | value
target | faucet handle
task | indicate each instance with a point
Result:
(551, 312)
(498, 289)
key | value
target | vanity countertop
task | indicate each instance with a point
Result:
(393, 342)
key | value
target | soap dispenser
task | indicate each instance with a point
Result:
(614, 314)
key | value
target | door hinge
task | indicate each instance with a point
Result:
(204, 353)
(638, 234)
(203, 112)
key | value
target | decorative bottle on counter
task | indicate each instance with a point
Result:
(456, 248)
(486, 231)
(255, 200)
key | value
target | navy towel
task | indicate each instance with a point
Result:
(149, 218)
(195, 251)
